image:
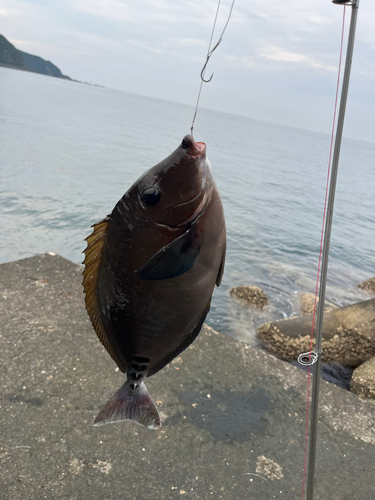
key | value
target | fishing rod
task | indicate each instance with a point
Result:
(315, 357)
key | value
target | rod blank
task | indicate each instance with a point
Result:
(327, 238)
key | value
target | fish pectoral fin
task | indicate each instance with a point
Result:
(174, 259)
(130, 403)
(181, 347)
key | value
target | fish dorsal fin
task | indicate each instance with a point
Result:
(93, 254)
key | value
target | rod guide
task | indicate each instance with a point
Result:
(353, 3)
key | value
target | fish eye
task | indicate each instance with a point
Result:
(151, 196)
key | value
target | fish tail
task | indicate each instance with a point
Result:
(131, 402)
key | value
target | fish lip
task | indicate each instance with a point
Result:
(199, 149)
(193, 149)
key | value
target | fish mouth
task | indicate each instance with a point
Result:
(193, 149)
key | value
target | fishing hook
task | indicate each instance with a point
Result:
(203, 71)
(209, 54)
(205, 64)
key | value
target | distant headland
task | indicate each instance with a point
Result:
(11, 57)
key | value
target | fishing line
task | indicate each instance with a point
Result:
(209, 54)
(320, 260)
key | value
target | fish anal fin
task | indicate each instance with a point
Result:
(181, 347)
(93, 254)
(130, 404)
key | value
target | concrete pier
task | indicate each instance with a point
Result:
(234, 417)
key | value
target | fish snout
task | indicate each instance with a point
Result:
(194, 149)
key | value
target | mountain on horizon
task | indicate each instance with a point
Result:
(11, 57)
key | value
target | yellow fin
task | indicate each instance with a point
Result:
(93, 253)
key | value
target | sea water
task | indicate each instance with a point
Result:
(69, 151)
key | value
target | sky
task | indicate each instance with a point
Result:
(278, 60)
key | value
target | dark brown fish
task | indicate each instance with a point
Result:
(150, 271)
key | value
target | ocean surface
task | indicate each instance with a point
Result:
(69, 151)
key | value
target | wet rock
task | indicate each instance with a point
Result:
(348, 335)
(368, 286)
(307, 301)
(250, 295)
(363, 380)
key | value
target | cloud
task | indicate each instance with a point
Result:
(192, 42)
(277, 54)
(36, 47)
(274, 59)
(145, 47)
(111, 9)
(240, 61)
(145, 11)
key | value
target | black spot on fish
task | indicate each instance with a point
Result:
(139, 368)
(140, 359)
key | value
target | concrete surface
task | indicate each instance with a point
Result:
(234, 416)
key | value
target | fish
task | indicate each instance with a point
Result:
(150, 270)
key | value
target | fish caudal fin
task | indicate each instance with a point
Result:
(131, 402)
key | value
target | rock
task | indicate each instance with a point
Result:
(269, 468)
(250, 294)
(368, 286)
(307, 301)
(348, 335)
(363, 380)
